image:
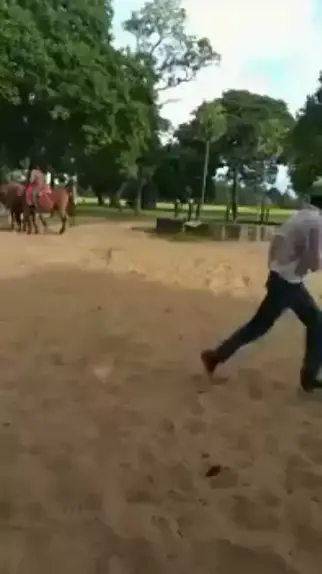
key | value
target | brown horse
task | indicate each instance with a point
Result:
(49, 200)
(12, 197)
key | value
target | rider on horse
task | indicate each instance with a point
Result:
(36, 186)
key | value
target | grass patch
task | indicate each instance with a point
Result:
(214, 213)
(167, 207)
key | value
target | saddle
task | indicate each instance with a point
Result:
(34, 193)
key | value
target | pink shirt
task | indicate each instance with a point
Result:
(296, 248)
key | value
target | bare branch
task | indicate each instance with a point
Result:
(170, 101)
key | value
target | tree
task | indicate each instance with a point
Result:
(304, 150)
(24, 62)
(247, 140)
(66, 94)
(159, 29)
(211, 126)
(181, 165)
(254, 138)
(53, 61)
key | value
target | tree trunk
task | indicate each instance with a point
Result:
(227, 203)
(116, 199)
(138, 198)
(204, 181)
(100, 198)
(234, 196)
(262, 212)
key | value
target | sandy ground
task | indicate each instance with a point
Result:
(108, 427)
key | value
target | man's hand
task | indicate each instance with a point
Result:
(314, 250)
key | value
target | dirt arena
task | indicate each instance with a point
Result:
(108, 427)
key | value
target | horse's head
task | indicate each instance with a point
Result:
(4, 193)
(10, 191)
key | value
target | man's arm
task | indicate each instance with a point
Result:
(275, 248)
(315, 248)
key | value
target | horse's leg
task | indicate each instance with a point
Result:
(11, 219)
(34, 221)
(33, 214)
(43, 221)
(18, 220)
(63, 216)
(27, 220)
(72, 211)
(30, 225)
(18, 214)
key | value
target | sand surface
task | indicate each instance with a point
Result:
(108, 427)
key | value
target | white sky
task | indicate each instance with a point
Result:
(267, 46)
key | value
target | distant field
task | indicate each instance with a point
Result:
(89, 206)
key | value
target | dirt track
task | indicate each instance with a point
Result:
(108, 426)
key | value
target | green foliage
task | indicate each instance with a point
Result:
(305, 144)
(247, 135)
(256, 129)
(67, 96)
(211, 121)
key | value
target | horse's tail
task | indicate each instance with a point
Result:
(3, 198)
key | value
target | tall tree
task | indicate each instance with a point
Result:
(159, 29)
(304, 148)
(66, 94)
(53, 60)
(248, 140)
(211, 126)
(163, 44)
(252, 145)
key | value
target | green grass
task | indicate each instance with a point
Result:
(168, 206)
(89, 208)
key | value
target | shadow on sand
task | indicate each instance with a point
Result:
(106, 441)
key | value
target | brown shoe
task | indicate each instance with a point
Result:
(309, 383)
(209, 361)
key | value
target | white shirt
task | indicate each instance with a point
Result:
(48, 178)
(296, 248)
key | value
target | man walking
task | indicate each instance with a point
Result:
(295, 250)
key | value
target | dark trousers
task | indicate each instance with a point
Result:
(280, 296)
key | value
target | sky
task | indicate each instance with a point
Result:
(269, 47)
